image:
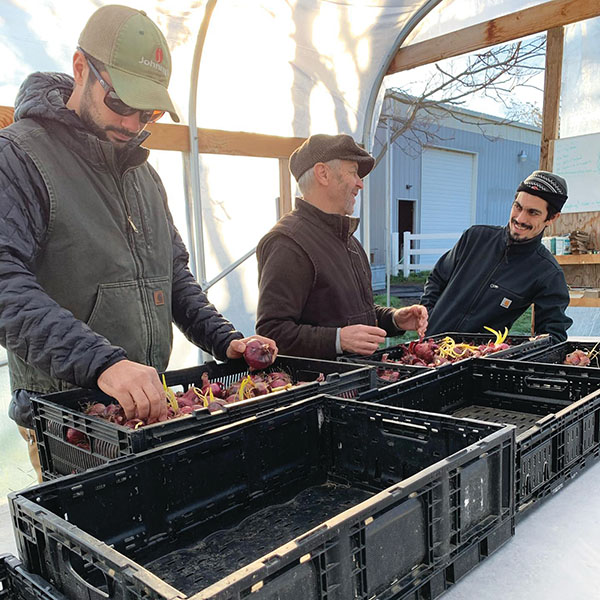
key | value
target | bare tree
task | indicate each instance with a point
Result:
(524, 112)
(415, 117)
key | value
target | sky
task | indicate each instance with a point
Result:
(413, 82)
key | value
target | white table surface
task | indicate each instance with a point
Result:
(554, 554)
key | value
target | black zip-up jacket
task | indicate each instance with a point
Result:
(32, 325)
(489, 280)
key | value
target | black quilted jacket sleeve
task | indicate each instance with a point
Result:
(32, 325)
(197, 318)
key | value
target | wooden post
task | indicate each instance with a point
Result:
(285, 187)
(552, 85)
(550, 111)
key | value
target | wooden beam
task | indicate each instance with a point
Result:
(578, 259)
(6, 116)
(239, 143)
(285, 187)
(587, 302)
(496, 31)
(169, 136)
(552, 85)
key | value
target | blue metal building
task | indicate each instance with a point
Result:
(466, 173)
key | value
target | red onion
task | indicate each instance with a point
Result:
(77, 437)
(98, 409)
(278, 379)
(424, 351)
(258, 355)
(260, 389)
(215, 406)
(188, 401)
(215, 386)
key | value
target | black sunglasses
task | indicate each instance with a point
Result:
(112, 100)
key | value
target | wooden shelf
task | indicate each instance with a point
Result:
(589, 302)
(578, 259)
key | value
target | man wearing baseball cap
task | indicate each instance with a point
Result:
(315, 296)
(493, 274)
(92, 269)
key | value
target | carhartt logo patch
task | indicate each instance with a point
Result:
(506, 302)
(159, 298)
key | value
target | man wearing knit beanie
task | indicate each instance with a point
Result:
(493, 274)
(315, 296)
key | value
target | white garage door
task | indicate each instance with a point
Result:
(447, 197)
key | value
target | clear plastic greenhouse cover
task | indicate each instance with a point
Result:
(278, 67)
(287, 68)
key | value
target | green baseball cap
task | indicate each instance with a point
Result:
(135, 53)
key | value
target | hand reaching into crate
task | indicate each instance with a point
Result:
(413, 317)
(137, 388)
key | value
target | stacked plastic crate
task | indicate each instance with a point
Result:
(385, 491)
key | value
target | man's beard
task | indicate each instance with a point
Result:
(87, 118)
(516, 236)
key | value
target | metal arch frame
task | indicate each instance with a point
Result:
(369, 113)
(192, 171)
(194, 201)
(192, 164)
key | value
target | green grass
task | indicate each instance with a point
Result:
(413, 277)
(397, 303)
(522, 325)
(381, 299)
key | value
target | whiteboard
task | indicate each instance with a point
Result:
(577, 159)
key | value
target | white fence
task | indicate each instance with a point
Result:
(409, 251)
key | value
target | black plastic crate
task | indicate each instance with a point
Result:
(556, 354)
(55, 413)
(18, 584)
(326, 498)
(556, 410)
(521, 347)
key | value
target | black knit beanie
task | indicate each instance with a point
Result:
(549, 186)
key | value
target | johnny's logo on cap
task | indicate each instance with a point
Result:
(158, 55)
(153, 65)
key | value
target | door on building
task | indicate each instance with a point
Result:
(406, 221)
(448, 187)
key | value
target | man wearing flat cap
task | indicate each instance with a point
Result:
(493, 274)
(93, 271)
(315, 296)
